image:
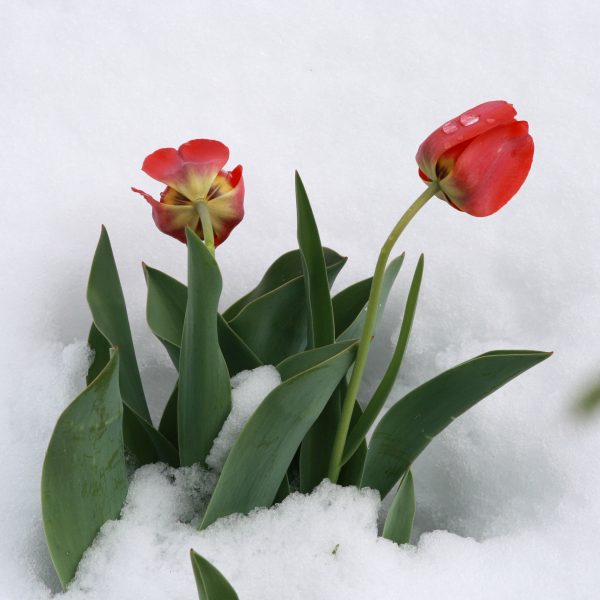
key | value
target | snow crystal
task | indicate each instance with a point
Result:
(249, 390)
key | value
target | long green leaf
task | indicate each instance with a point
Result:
(401, 514)
(377, 402)
(286, 268)
(210, 582)
(258, 461)
(321, 328)
(274, 325)
(204, 399)
(408, 427)
(317, 445)
(106, 301)
(84, 479)
(353, 331)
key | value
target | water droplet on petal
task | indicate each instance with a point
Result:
(490, 120)
(468, 119)
(449, 127)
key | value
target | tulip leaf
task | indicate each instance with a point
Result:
(167, 299)
(165, 310)
(274, 324)
(210, 582)
(298, 363)
(84, 479)
(351, 299)
(359, 431)
(258, 461)
(349, 303)
(351, 471)
(168, 421)
(401, 514)
(204, 399)
(286, 268)
(107, 303)
(317, 445)
(100, 346)
(321, 328)
(408, 427)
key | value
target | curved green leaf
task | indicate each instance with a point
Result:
(204, 399)
(298, 363)
(210, 582)
(165, 309)
(354, 330)
(168, 421)
(348, 304)
(274, 325)
(100, 346)
(359, 431)
(286, 268)
(401, 514)
(106, 301)
(84, 479)
(408, 427)
(351, 471)
(259, 459)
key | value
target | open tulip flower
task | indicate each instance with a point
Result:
(479, 159)
(199, 194)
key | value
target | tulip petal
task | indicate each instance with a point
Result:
(461, 129)
(172, 219)
(490, 170)
(164, 165)
(189, 170)
(227, 209)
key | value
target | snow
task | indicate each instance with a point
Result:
(509, 496)
(249, 389)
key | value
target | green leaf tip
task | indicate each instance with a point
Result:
(211, 583)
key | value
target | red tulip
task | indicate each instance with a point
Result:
(193, 175)
(479, 159)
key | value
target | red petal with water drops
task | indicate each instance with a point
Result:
(467, 126)
(491, 169)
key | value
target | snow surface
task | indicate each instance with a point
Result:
(249, 390)
(509, 496)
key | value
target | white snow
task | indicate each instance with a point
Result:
(509, 496)
(249, 389)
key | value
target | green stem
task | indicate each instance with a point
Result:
(207, 228)
(369, 328)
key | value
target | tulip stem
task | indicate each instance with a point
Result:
(207, 228)
(368, 330)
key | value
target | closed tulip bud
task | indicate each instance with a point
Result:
(479, 159)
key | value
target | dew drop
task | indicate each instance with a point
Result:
(449, 127)
(468, 119)
(490, 120)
